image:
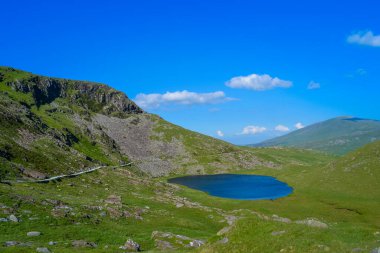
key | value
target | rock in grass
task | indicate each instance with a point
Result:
(13, 218)
(82, 243)
(43, 250)
(3, 220)
(51, 243)
(131, 245)
(10, 243)
(377, 250)
(163, 245)
(223, 240)
(311, 222)
(33, 233)
(275, 233)
(196, 243)
(113, 200)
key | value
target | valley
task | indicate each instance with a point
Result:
(51, 127)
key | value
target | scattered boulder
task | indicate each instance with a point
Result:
(82, 243)
(224, 231)
(131, 245)
(43, 250)
(13, 218)
(113, 200)
(275, 233)
(196, 243)
(33, 233)
(163, 245)
(61, 211)
(114, 213)
(3, 220)
(312, 222)
(51, 243)
(167, 240)
(179, 205)
(223, 240)
(377, 250)
(281, 219)
(10, 243)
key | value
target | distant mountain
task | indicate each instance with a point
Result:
(337, 136)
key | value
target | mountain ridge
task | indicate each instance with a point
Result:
(338, 135)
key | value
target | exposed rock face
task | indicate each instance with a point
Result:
(105, 99)
(134, 137)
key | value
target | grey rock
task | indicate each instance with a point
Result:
(223, 240)
(196, 243)
(51, 243)
(275, 233)
(281, 219)
(82, 243)
(163, 245)
(113, 200)
(377, 250)
(179, 205)
(33, 233)
(131, 245)
(13, 218)
(43, 250)
(10, 243)
(3, 220)
(224, 231)
(312, 222)
(355, 250)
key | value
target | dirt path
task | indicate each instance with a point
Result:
(46, 180)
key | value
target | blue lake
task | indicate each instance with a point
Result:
(236, 186)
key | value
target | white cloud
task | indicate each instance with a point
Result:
(282, 128)
(253, 130)
(257, 82)
(313, 85)
(299, 125)
(364, 38)
(184, 97)
(220, 133)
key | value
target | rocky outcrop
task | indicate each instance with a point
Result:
(96, 97)
(168, 241)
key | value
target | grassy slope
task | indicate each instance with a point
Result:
(347, 229)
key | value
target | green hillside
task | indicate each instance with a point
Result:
(51, 126)
(337, 136)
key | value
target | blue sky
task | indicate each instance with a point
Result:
(210, 65)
